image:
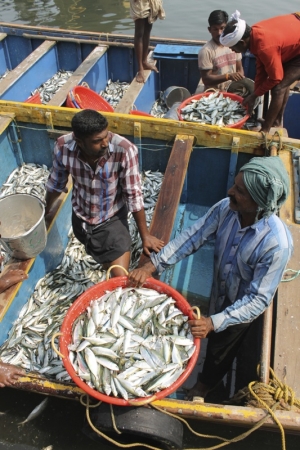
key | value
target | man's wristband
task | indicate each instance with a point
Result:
(227, 76)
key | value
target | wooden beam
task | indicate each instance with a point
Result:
(60, 97)
(287, 333)
(169, 196)
(2, 36)
(25, 65)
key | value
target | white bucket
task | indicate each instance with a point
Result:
(22, 225)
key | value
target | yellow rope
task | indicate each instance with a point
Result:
(261, 392)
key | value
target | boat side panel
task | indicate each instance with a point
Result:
(17, 49)
(121, 64)
(148, 95)
(38, 73)
(291, 115)
(8, 160)
(36, 145)
(3, 61)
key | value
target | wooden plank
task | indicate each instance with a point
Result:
(2, 36)
(59, 98)
(126, 103)
(25, 65)
(169, 196)
(205, 135)
(5, 121)
(287, 333)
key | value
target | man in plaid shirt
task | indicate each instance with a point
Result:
(106, 184)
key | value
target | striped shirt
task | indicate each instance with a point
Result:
(98, 195)
(248, 262)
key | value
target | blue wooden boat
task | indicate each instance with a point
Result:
(199, 163)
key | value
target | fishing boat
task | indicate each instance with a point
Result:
(32, 57)
(199, 164)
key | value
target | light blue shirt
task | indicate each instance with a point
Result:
(248, 262)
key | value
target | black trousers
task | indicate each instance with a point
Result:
(221, 350)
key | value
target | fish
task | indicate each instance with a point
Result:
(214, 109)
(36, 411)
(141, 364)
(114, 91)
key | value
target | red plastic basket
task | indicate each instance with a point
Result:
(135, 112)
(34, 99)
(238, 98)
(80, 305)
(86, 98)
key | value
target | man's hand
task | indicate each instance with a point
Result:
(249, 102)
(140, 275)
(200, 328)
(152, 243)
(9, 374)
(235, 76)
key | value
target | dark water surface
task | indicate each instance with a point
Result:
(61, 423)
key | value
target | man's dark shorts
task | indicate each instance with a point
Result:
(107, 242)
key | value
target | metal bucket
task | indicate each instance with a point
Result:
(175, 94)
(22, 225)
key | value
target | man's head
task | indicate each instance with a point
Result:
(90, 132)
(262, 183)
(236, 34)
(217, 22)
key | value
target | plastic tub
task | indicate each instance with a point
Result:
(238, 124)
(85, 98)
(80, 305)
(34, 99)
(135, 112)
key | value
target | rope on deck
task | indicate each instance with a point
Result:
(273, 396)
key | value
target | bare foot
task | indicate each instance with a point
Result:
(140, 77)
(148, 66)
(198, 390)
(10, 278)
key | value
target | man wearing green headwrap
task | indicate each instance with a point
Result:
(252, 248)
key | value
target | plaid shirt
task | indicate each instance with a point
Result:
(248, 262)
(99, 195)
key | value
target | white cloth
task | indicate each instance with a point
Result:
(141, 9)
(233, 38)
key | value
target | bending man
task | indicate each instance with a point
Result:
(106, 180)
(276, 44)
(252, 248)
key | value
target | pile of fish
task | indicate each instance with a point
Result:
(51, 86)
(159, 108)
(131, 342)
(114, 91)
(26, 179)
(214, 109)
(29, 341)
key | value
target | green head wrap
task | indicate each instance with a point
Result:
(267, 181)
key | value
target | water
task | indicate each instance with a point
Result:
(60, 424)
(184, 19)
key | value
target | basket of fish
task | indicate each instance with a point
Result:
(214, 108)
(129, 346)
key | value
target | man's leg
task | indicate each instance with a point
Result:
(280, 95)
(139, 47)
(221, 350)
(122, 261)
(146, 42)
